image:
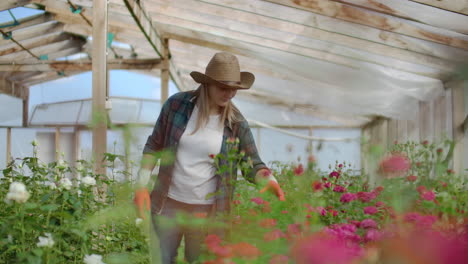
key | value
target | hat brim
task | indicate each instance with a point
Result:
(247, 79)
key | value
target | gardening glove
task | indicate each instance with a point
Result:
(142, 198)
(271, 185)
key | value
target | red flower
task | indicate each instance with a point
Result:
(299, 170)
(368, 223)
(428, 195)
(293, 230)
(268, 223)
(212, 156)
(339, 188)
(394, 165)
(317, 186)
(439, 150)
(379, 189)
(236, 202)
(334, 174)
(284, 212)
(327, 185)
(273, 235)
(366, 197)
(340, 165)
(279, 259)
(425, 142)
(245, 250)
(421, 189)
(380, 204)
(449, 171)
(257, 200)
(412, 178)
(370, 210)
(348, 197)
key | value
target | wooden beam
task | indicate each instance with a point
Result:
(27, 22)
(9, 4)
(359, 16)
(100, 85)
(165, 71)
(458, 6)
(33, 43)
(32, 32)
(413, 11)
(67, 51)
(12, 89)
(43, 77)
(81, 65)
(42, 50)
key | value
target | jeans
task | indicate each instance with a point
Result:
(170, 233)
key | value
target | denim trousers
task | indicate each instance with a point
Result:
(170, 232)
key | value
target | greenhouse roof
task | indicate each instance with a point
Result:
(347, 61)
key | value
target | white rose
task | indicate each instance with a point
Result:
(93, 259)
(51, 185)
(46, 241)
(88, 181)
(138, 221)
(65, 183)
(17, 192)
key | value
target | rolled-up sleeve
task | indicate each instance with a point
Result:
(247, 144)
(155, 141)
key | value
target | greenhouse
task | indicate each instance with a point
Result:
(357, 111)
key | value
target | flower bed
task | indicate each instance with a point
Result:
(414, 212)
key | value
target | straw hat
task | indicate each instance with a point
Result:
(224, 71)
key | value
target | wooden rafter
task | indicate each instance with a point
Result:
(28, 22)
(359, 16)
(9, 4)
(458, 6)
(33, 43)
(82, 65)
(42, 50)
(414, 11)
(33, 31)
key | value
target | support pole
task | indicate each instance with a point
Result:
(57, 144)
(165, 71)
(458, 110)
(25, 106)
(99, 67)
(8, 150)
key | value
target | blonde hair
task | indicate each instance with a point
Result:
(230, 112)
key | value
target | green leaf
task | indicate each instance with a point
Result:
(38, 251)
(49, 207)
(28, 206)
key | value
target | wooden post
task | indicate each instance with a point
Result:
(25, 106)
(57, 144)
(259, 146)
(8, 150)
(165, 71)
(458, 106)
(99, 57)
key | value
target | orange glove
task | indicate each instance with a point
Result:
(142, 201)
(274, 187)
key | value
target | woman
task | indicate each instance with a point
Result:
(194, 125)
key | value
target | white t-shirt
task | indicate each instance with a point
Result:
(194, 170)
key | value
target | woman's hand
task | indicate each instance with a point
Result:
(264, 175)
(142, 201)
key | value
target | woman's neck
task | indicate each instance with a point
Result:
(214, 109)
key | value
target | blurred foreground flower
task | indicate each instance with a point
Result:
(93, 259)
(394, 165)
(65, 183)
(88, 181)
(46, 241)
(17, 192)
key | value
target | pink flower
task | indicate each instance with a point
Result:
(412, 178)
(366, 197)
(395, 165)
(279, 259)
(284, 212)
(421, 189)
(268, 223)
(317, 186)
(348, 197)
(428, 195)
(257, 200)
(340, 165)
(299, 170)
(273, 235)
(372, 235)
(293, 230)
(339, 188)
(324, 249)
(327, 185)
(380, 204)
(321, 210)
(370, 210)
(368, 223)
(334, 174)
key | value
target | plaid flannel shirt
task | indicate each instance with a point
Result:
(166, 134)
